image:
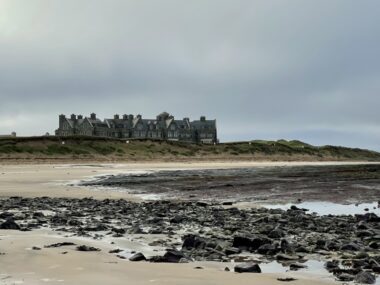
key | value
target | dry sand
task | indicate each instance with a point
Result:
(21, 265)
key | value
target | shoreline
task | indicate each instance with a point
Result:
(52, 180)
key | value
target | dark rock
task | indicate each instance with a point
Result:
(137, 257)
(118, 231)
(276, 234)
(36, 248)
(171, 256)
(345, 277)
(193, 241)
(177, 219)
(232, 250)
(9, 224)
(59, 244)
(115, 250)
(87, 248)
(296, 266)
(282, 256)
(365, 278)
(287, 279)
(249, 243)
(350, 247)
(267, 249)
(247, 268)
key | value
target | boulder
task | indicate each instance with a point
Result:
(365, 278)
(137, 257)
(350, 247)
(9, 224)
(248, 268)
(87, 248)
(345, 277)
(193, 241)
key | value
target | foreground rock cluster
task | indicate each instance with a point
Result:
(213, 232)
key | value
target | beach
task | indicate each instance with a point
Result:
(57, 185)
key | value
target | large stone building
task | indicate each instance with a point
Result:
(164, 127)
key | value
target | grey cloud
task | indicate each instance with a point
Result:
(265, 69)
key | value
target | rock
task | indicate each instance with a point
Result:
(119, 231)
(137, 257)
(227, 269)
(9, 224)
(171, 256)
(59, 244)
(247, 268)
(365, 278)
(374, 245)
(36, 248)
(232, 250)
(331, 265)
(296, 266)
(193, 241)
(249, 243)
(177, 219)
(287, 279)
(267, 249)
(276, 234)
(345, 277)
(115, 250)
(350, 247)
(87, 248)
(282, 256)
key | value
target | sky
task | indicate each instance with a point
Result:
(264, 69)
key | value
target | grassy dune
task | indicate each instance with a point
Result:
(102, 149)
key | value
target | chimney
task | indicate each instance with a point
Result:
(125, 117)
(93, 116)
(61, 120)
(203, 118)
(73, 117)
(138, 116)
(116, 117)
(80, 117)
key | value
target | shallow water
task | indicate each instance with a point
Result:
(338, 184)
(329, 208)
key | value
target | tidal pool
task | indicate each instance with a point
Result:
(329, 208)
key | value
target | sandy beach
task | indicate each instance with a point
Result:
(22, 265)
(51, 179)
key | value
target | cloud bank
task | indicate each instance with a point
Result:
(290, 69)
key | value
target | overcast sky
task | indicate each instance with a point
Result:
(270, 69)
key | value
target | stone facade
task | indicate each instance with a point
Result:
(164, 127)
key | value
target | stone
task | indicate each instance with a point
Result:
(247, 268)
(296, 266)
(137, 257)
(365, 278)
(87, 248)
(350, 247)
(9, 224)
(345, 277)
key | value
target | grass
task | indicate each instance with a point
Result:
(104, 148)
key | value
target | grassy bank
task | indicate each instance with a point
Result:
(102, 149)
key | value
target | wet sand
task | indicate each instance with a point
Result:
(21, 265)
(52, 180)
